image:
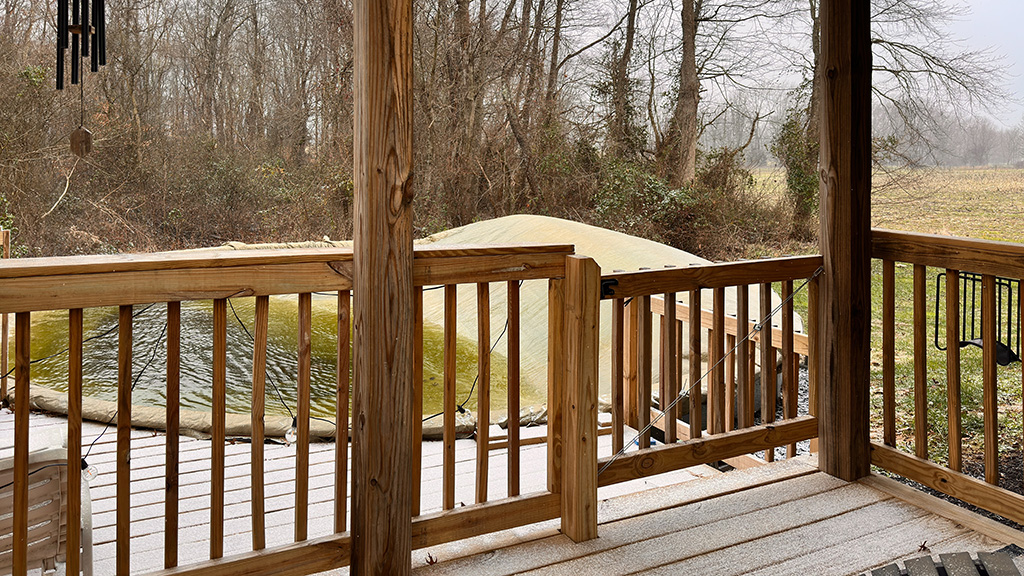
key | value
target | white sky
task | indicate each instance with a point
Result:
(999, 24)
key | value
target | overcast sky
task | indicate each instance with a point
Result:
(999, 24)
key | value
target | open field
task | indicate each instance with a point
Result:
(982, 203)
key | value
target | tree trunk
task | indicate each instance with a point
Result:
(621, 121)
(679, 157)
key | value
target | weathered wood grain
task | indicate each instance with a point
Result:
(968, 255)
(889, 352)
(920, 364)
(582, 323)
(451, 293)
(22, 369)
(958, 485)
(382, 170)
(556, 381)
(124, 439)
(219, 427)
(630, 284)
(303, 390)
(261, 320)
(665, 458)
(989, 385)
(173, 375)
(845, 238)
(512, 358)
(953, 417)
(483, 385)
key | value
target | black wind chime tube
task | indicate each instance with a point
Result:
(86, 24)
(100, 14)
(75, 38)
(84, 32)
(62, 40)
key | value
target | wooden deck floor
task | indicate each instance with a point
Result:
(147, 489)
(783, 518)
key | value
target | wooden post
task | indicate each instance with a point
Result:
(845, 214)
(579, 410)
(384, 294)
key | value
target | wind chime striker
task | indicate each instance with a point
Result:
(84, 32)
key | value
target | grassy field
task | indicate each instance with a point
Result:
(977, 203)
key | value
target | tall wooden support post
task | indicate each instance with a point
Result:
(579, 410)
(845, 204)
(384, 297)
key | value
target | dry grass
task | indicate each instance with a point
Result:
(984, 203)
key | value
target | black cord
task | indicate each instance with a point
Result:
(266, 373)
(462, 407)
(9, 484)
(135, 381)
(93, 337)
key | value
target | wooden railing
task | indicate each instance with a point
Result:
(575, 289)
(74, 284)
(951, 256)
(725, 429)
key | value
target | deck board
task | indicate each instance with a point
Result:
(785, 518)
(148, 482)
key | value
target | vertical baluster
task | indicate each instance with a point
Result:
(556, 380)
(682, 432)
(217, 432)
(669, 377)
(631, 363)
(744, 378)
(730, 381)
(341, 402)
(261, 320)
(5, 237)
(173, 375)
(644, 376)
(74, 519)
(889, 352)
(990, 402)
(22, 360)
(448, 467)
(302, 410)
(953, 368)
(513, 387)
(717, 359)
(920, 365)
(695, 366)
(483, 398)
(618, 339)
(812, 353)
(769, 388)
(789, 375)
(124, 437)
(1020, 318)
(417, 402)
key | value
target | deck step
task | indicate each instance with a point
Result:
(998, 563)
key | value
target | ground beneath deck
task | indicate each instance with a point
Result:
(782, 518)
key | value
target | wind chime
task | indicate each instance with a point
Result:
(85, 34)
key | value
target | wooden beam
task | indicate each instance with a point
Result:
(646, 282)
(845, 240)
(579, 410)
(384, 307)
(979, 256)
(669, 457)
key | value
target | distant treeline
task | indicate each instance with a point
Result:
(232, 120)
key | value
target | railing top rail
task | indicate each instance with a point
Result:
(969, 255)
(225, 258)
(84, 282)
(649, 282)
